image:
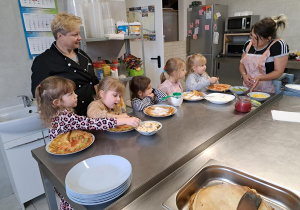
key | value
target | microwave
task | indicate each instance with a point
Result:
(240, 23)
(234, 49)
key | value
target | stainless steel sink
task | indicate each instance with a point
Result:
(20, 119)
(213, 173)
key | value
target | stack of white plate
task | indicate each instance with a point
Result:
(98, 179)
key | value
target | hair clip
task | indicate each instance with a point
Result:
(164, 71)
(39, 85)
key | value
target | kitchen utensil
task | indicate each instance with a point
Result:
(176, 94)
(249, 201)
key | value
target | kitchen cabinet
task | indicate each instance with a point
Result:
(110, 45)
(234, 38)
(22, 169)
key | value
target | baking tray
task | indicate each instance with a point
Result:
(214, 172)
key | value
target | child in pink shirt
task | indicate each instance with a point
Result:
(175, 68)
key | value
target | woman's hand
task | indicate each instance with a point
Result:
(256, 81)
(213, 80)
(248, 80)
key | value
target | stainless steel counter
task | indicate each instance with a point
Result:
(260, 146)
(194, 127)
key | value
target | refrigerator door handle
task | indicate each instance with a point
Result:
(158, 61)
(244, 23)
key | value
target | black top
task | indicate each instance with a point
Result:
(278, 49)
(53, 63)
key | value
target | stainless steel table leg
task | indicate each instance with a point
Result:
(49, 191)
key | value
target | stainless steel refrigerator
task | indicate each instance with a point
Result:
(205, 29)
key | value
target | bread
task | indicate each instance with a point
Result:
(222, 196)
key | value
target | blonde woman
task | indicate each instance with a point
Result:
(196, 77)
(66, 60)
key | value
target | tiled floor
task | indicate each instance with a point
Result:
(10, 203)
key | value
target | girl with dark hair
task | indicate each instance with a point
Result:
(264, 56)
(142, 94)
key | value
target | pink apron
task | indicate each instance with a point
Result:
(255, 65)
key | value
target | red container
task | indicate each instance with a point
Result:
(243, 104)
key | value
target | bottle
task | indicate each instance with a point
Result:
(114, 68)
(98, 70)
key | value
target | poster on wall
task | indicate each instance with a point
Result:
(144, 15)
(37, 16)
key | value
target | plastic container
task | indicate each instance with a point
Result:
(106, 70)
(135, 28)
(122, 27)
(133, 72)
(176, 99)
(98, 70)
(243, 104)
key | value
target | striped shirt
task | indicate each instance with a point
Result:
(139, 104)
(278, 49)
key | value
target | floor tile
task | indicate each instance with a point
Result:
(9, 203)
(40, 203)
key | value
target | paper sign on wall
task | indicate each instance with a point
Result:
(208, 12)
(190, 33)
(191, 25)
(197, 22)
(196, 30)
(216, 38)
(206, 27)
(201, 12)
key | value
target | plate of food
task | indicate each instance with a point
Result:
(219, 87)
(160, 110)
(259, 96)
(193, 96)
(70, 142)
(219, 98)
(121, 129)
(149, 128)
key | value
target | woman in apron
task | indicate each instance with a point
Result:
(264, 56)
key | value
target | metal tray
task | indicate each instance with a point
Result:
(214, 172)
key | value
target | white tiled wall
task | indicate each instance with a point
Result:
(175, 49)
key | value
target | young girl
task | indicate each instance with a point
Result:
(143, 94)
(110, 92)
(56, 100)
(175, 68)
(196, 77)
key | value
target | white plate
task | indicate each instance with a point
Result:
(163, 106)
(47, 148)
(149, 133)
(194, 98)
(292, 87)
(258, 99)
(219, 98)
(98, 174)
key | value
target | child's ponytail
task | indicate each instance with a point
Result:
(162, 77)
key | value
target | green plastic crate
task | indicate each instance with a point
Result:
(133, 72)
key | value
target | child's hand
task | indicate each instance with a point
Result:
(213, 80)
(133, 121)
(151, 95)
